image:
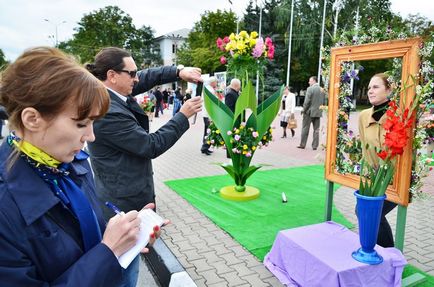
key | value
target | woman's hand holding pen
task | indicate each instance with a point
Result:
(122, 232)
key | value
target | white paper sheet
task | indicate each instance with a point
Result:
(149, 219)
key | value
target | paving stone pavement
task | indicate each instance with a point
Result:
(214, 258)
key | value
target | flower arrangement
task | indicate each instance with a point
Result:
(245, 53)
(244, 140)
(214, 137)
(146, 104)
(398, 126)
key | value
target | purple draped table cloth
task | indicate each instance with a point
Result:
(320, 255)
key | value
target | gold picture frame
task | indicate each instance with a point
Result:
(407, 50)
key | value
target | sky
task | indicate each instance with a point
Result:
(23, 24)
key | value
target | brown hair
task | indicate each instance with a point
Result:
(384, 78)
(48, 80)
(110, 58)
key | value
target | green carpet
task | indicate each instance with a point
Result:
(255, 224)
(410, 269)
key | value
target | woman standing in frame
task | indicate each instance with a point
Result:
(372, 136)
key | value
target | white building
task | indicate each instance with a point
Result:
(169, 43)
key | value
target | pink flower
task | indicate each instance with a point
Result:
(255, 134)
(248, 154)
(237, 137)
(223, 60)
(270, 53)
(229, 133)
(226, 39)
(259, 48)
(268, 42)
(220, 44)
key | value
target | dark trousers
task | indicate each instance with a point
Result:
(385, 235)
(307, 120)
(158, 108)
(205, 145)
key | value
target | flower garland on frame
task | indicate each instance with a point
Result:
(424, 94)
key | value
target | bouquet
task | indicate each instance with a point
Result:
(398, 126)
(245, 54)
(146, 104)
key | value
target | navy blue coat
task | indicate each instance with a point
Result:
(37, 249)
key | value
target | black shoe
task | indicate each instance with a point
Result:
(284, 136)
(302, 147)
(207, 152)
(314, 148)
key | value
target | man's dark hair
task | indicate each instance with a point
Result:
(111, 58)
(314, 78)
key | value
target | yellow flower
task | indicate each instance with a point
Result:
(253, 147)
(245, 146)
(231, 45)
(208, 142)
(244, 152)
(270, 130)
(264, 137)
(237, 131)
(232, 36)
(241, 46)
(222, 142)
(217, 131)
(254, 34)
(252, 42)
(244, 34)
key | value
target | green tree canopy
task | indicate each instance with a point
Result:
(110, 26)
(200, 49)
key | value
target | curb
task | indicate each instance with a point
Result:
(166, 267)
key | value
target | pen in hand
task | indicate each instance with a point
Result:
(114, 208)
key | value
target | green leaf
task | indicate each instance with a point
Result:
(221, 115)
(246, 100)
(229, 169)
(267, 111)
(249, 171)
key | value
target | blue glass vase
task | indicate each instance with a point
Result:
(368, 214)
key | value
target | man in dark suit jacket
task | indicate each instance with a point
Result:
(122, 152)
(232, 93)
(311, 113)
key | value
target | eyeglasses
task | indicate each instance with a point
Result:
(131, 73)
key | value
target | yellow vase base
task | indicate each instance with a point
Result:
(229, 192)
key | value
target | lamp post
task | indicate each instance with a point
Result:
(55, 27)
(175, 41)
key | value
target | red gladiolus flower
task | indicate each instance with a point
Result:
(223, 60)
(382, 154)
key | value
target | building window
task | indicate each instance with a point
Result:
(174, 47)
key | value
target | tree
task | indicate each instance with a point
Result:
(200, 49)
(3, 61)
(110, 26)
